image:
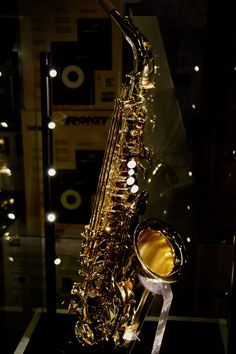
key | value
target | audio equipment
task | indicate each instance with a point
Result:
(74, 83)
(88, 165)
(9, 90)
(72, 198)
(95, 37)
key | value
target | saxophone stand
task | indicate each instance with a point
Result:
(157, 287)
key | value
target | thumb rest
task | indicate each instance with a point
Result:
(110, 301)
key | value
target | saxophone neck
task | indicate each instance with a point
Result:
(143, 61)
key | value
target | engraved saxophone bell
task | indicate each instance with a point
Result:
(160, 250)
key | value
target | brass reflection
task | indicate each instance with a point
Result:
(155, 252)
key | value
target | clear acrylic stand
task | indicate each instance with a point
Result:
(157, 287)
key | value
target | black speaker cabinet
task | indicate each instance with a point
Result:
(88, 165)
(95, 37)
(72, 198)
(74, 83)
(9, 90)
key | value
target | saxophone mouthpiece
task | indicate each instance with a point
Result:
(107, 6)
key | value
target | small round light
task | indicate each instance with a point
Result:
(51, 217)
(57, 261)
(51, 125)
(11, 216)
(4, 124)
(53, 73)
(52, 171)
(196, 68)
(7, 171)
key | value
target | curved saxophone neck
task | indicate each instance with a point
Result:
(143, 61)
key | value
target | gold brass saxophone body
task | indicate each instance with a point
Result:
(114, 250)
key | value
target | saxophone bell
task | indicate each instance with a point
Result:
(159, 254)
(160, 250)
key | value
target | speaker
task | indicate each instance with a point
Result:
(88, 165)
(95, 37)
(9, 90)
(72, 198)
(74, 83)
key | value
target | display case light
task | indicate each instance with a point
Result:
(11, 216)
(51, 125)
(52, 172)
(57, 261)
(6, 171)
(51, 217)
(52, 72)
(4, 124)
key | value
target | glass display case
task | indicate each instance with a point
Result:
(62, 68)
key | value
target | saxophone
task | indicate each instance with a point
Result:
(110, 301)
